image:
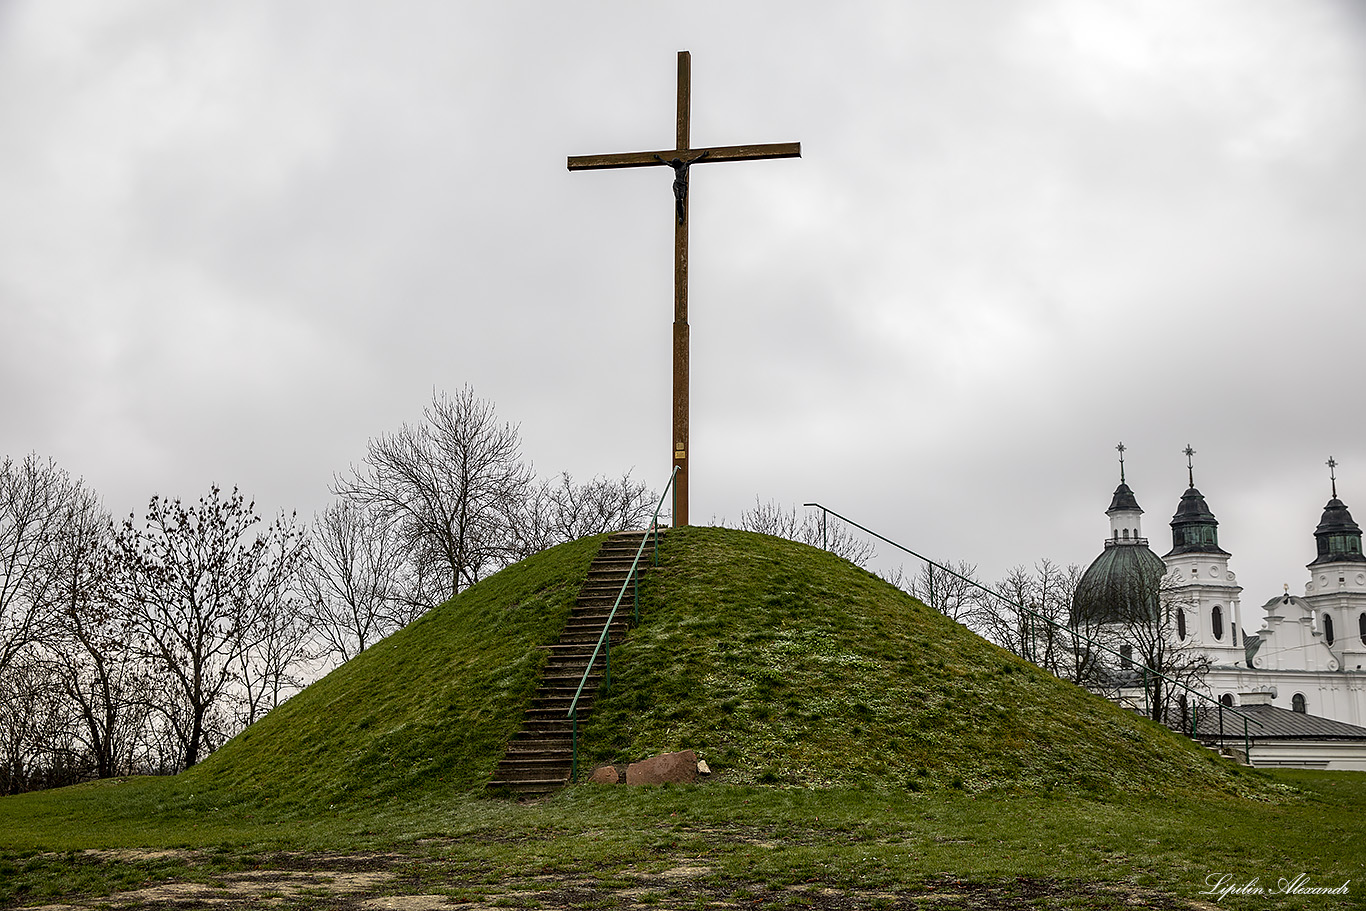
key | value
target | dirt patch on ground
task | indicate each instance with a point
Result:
(418, 882)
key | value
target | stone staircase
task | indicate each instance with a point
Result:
(540, 755)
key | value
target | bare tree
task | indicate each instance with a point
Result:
(1156, 647)
(274, 648)
(89, 646)
(1030, 616)
(949, 587)
(554, 513)
(35, 498)
(771, 519)
(194, 584)
(34, 714)
(353, 580)
(1132, 606)
(450, 486)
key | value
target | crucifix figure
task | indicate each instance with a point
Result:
(680, 159)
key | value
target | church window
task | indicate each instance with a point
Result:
(1297, 703)
(1361, 627)
(1216, 622)
(1126, 656)
(1181, 624)
(1328, 627)
(1126, 534)
(1226, 700)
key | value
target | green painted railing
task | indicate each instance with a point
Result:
(1247, 745)
(604, 646)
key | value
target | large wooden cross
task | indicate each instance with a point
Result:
(680, 159)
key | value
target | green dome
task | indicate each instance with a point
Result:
(1120, 586)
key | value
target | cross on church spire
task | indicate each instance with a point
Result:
(1190, 463)
(1332, 474)
(1120, 449)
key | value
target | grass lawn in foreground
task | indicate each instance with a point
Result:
(692, 846)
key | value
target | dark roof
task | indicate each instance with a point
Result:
(1120, 586)
(1336, 521)
(1194, 511)
(1123, 499)
(1277, 724)
(1193, 508)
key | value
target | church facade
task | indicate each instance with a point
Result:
(1302, 654)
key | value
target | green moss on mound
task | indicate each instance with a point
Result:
(780, 663)
(433, 705)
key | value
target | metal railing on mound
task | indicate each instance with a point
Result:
(604, 645)
(1129, 660)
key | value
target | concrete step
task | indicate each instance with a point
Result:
(530, 787)
(553, 714)
(530, 740)
(618, 625)
(535, 769)
(617, 571)
(601, 599)
(592, 632)
(560, 696)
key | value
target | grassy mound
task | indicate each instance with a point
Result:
(777, 662)
(433, 705)
(780, 663)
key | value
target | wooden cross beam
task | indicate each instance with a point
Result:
(680, 158)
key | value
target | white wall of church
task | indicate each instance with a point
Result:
(1291, 638)
(1341, 697)
(1315, 754)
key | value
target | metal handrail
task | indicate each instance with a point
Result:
(1247, 747)
(604, 640)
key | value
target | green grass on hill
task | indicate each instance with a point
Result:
(433, 705)
(780, 663)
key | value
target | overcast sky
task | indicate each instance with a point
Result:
(238, 239)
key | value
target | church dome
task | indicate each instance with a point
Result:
(1194, 528)
(1337, 538)
(1120, 586)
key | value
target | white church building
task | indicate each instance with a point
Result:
(1296, 664)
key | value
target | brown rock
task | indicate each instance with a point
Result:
(605, 775)
(679, 768)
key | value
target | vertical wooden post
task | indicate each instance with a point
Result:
(681, 340)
